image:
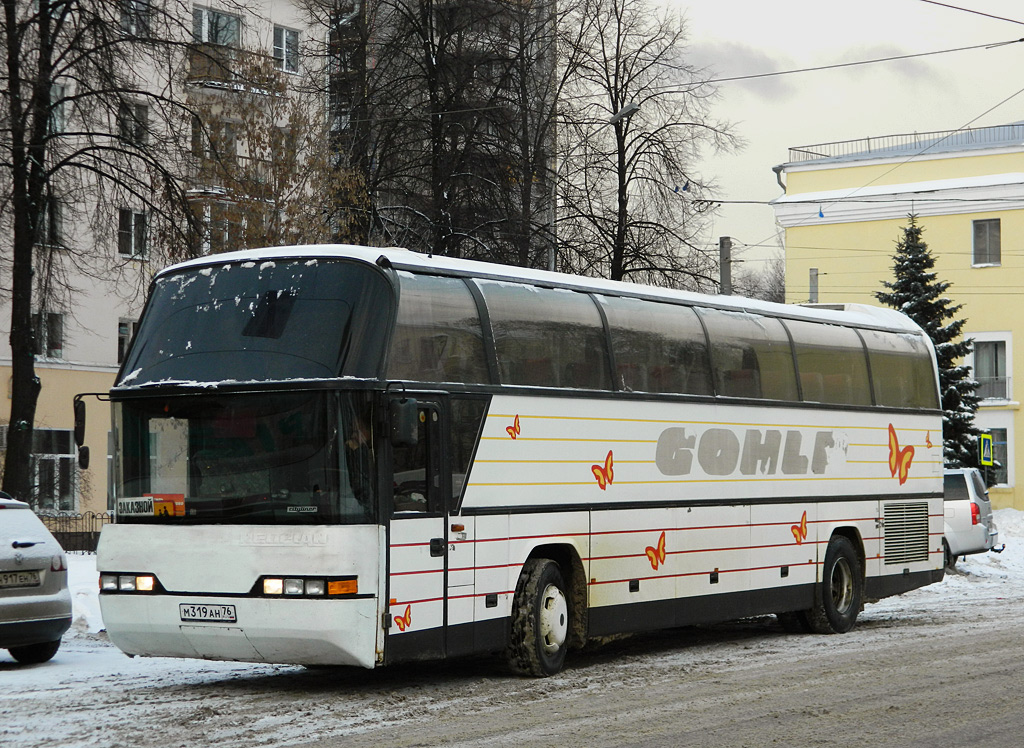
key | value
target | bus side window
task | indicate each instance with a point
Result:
(467, 416)
(658, 347)
(901, 370)
(547, 337)
(751, 355)
(832, 362)
(438, 336)
(416, 470)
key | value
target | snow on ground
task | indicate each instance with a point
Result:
(88, 665)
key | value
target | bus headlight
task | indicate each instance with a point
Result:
(307, 586)
(127, 583)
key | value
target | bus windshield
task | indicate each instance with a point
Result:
(267, 458)
(260, 321)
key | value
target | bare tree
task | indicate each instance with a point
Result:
(81, 85)
(265, 173)
(631, 199)
(767, 283)
(449, 109)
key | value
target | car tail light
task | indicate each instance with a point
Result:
(59, 563)
(975, 513)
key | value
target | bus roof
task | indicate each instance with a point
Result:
(857, 315)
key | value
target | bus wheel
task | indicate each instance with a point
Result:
(841, 592)
(540, 620)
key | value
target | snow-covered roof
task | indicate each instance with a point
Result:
(931, 186)
(875, 202)
(848, 314)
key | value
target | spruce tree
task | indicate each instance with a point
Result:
(918, 293)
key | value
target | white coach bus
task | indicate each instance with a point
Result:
(354, 456)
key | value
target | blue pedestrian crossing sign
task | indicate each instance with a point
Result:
(985, 447)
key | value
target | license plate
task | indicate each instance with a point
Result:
(222, 613)
(10, 579)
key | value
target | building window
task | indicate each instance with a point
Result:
(131, 233)
(135, 17)
(286, 49)
(986, 242)
(218, 142)
(53, 470)
(57, 114)
(213, 27)
(133, 122)
(990, 369)
(51, 224)
(125, 333)
(1000, 471)
(49, 330)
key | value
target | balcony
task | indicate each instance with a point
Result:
(213, 63)
(993, 388)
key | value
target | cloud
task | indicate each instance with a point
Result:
(916, 68)
(727, 59)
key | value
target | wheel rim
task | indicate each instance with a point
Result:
(554, 619)
(842, 586)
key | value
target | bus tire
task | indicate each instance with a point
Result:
(539, 633)
(841, 592)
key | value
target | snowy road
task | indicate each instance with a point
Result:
(938, 666)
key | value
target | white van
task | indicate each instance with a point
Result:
(970, 527)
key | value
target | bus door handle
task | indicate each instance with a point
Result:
(437, 547)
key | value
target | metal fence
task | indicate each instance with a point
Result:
(76, 532)
(911, 143)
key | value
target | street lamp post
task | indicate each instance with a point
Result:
(626, 112)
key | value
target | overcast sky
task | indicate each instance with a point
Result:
(937, 92)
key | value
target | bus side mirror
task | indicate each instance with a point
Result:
(79, 421)
(403, 416)
(83, 458)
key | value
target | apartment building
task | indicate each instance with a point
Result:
(844, 206)
(96, 254)
(281, 137)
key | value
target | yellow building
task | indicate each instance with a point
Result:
(843, 212)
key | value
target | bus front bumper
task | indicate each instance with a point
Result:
(277, 630)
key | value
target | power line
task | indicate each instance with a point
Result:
(975, 12)
(838, 65)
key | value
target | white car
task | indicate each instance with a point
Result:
(35, 605)
(970, 527)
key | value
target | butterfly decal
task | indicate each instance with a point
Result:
(800, 531)
(928, 440)
(404, 621)
(899, 459)
(604, 473)
(656, 555)
(514, 429)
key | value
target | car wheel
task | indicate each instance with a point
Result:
(31, 654)
(948, 558)
(540, 620)
(840, 593)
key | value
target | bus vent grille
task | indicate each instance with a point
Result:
(906, 532)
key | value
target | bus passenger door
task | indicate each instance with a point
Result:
(418, 542)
